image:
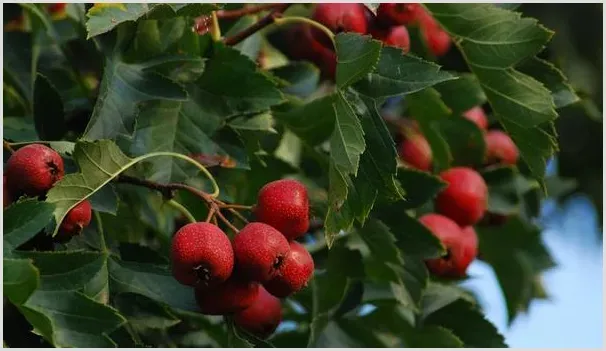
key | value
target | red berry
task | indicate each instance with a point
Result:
(76, 219)
(465, 198)
(57, 7)
(294, 274)
(201, 254)
(341, 17)
(308, 44)
(416, 152)
(34, 169)
(500, 148)
(262, 317)
(230, 297)
(438, 41)
(260, 251)
(393, 36)
(284, 205)
(476, 115)
(461, 246)
(393, 14)
(8, 197)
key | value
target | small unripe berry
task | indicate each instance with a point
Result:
(232, 296)
(75, 220)
(342, 17)
(294, 274)
(393, 36)
(393, 14)
(260, 251)
(34, 169)
(476, 115)
(201, 254)
(500, 148)
(464, 199)
(284, 205)
(416, 152)
(262, 317)
(461, 246)
(8, 196)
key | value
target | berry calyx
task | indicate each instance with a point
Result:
(500, 148)
(284, 205)
(260, 251)
(476, 115)
(464, 199)
(393, 36)
(294, 274)
(341, 17)
(393, 14)
(416, 152)
(8, 197)
(262, 317)
(229, 297)
(75, 220)
(461, 245)
(201, 255)
(34, 169)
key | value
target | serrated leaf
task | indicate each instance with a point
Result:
(357, 56)
(436, 296)
(170, 10)
(103, 17)
(548, 74)
(143, 312)
(302, 77)
(347, 140)
(312, 122)
(260, 123)
(461, 94)
(22, 221)
(105, 200)
(420, 187)
(20, 279)
(18, 129)
(48, 110)
(251, 46)
(380, 241)
(465, 141)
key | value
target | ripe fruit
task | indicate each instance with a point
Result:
(438, 41)
(500, 148)
(393, 36)
(284, 205)
(461, 246)
(260, 251)
(232, 296)
(76, 219)
(294, 274)
(309, 47)
(262, 317)
(476, 115)
(341, 17)
(465, 198)
(201, 254)
(33, 169)
(57, 7)
(8, 197)
(416, 152)
(389, 14)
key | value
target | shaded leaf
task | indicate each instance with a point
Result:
(357, 56)
(312, 122)
(20, 279)
(103, 17)
(420, 186)
(23, 220)
(48, 110)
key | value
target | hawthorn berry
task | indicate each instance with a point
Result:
(33, 170)
(284, 205)
(500, 148)
(476, 115)
(393, 36)
(260, 251)
(438, 41)
(393, 14)
(416, 152)
(232, 296)
(294, 274)
(201, 255)
(341, 17)
(465, 197)
(75, 220)
(461, 245)
(262, 317)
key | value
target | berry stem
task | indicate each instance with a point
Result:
(236, 207)
(211, 213)
(7, 146)
(227, 223)
(232, 14)
(262, 23)
(237, 214)
(184, 211)
(215, 30)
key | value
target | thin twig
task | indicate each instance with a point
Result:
(214, 220)
(7, 146)
(211, 212)
(231, 14)
(236, 207)
(227, 223)
(237, 214)
(262, 23)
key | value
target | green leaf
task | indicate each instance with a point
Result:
(251, 46)
(167, 11)
(436, 296)
(302, 77)
(398, 74)
(105, 200)
(312, 122)
(381, 242)
(465, 140)
(505, 189)
(19, 129)
(260, 123)
(548, 74)
(347, 140)
(20, 279)
(20, 62)
(357, 56)
(143, 312)
(420, 187)
(23, 220)
(48, 110)
(461, 94)
(103, 17)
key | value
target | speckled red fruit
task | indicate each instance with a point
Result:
(232, 296)
(476, 115)
(76, 219)
(393, 14)
(465, 197)
(461, 246)
(416, 152)
(201, 254)
(284, 205)
(295, 273)
(500, 148)
(8, 196)
(260, 251)
(342, 17)
(262, 317)
(438, 41)
(393, 36)
(34, 169)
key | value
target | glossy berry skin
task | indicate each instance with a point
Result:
(201, 254)
(295, 273)
(476, 115)
(342, 17)
(260, 251)
(232, 296)
(461, 245)
(76, 219)
(262, 317)
(8, 196)
(393, 14)
(438, 41)
(500, 148)
(33, 170)
(393, 36)
(416, 152)
(284, 205)
(465, 197)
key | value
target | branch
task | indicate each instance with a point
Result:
(231, 14)
(262, 23)
(7, 146)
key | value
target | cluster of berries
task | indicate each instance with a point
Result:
(245, 278)
(463, 202)
(32, 171)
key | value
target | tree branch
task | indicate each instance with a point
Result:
(262, 23)
(231, 14)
